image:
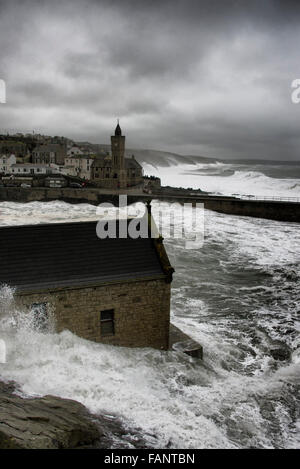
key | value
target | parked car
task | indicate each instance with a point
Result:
(76, 185)
(11, 184)
(25, 185)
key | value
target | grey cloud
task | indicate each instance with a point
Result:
(186, 76)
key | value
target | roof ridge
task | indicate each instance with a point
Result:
(86, 222)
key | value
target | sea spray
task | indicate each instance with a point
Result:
(15, 318)
(238, 296)
(134, 384)
(232, 179)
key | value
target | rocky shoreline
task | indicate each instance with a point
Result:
(51, 422)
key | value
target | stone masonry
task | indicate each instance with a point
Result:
(141, 311)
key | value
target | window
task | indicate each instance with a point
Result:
(107, 322)
(41, 317)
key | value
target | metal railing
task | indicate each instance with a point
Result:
(270, 198)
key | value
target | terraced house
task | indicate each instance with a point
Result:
(49, 153)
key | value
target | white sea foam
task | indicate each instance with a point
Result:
(241, 182)
(182, 403)
(237, 296)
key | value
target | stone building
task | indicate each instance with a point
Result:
(115, 171)
(49, 153)
(112, 290)
(79, 165)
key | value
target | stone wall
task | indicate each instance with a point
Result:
(273, 210)
(134, 180)
(106, 183)
(141, 311)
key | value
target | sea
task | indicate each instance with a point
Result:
(238, 295)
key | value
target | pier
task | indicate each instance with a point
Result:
(280, 210)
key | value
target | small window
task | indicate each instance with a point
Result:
(41, 316)
(107, 322)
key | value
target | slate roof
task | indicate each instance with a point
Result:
(118, 131)
(132, 163)
(102, 161)
(47, 147)
(34, 257)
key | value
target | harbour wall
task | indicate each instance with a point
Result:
(273, 210)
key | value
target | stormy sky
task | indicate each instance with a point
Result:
(209, 78)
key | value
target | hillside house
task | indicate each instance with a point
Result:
(6, 163)
(79, 165)
(49, 153)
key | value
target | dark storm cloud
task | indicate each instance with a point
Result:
(196, 77)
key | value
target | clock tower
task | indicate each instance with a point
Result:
(117, 152)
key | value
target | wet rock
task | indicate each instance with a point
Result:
(280, 353)
(48, 422)
(54, 423)
(289, 331)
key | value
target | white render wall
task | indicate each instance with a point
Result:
(80, 167)
(6, 162)
(18, 169)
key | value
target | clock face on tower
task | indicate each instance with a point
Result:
(116, 144)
